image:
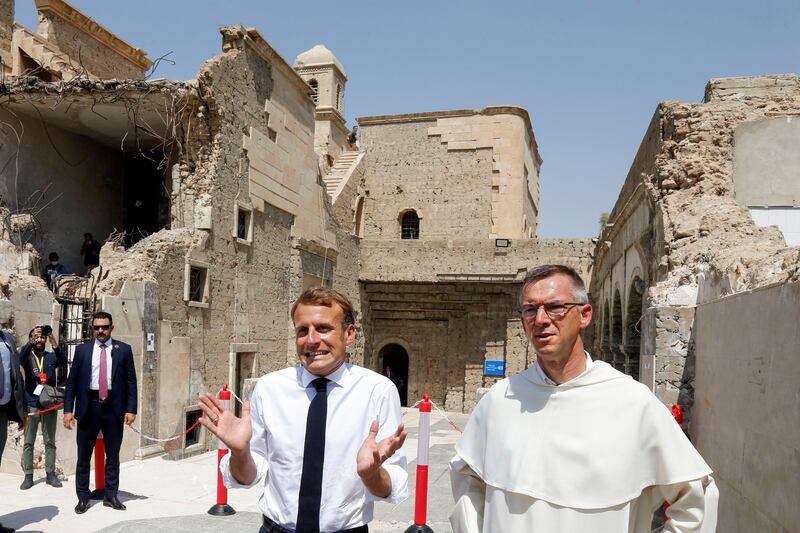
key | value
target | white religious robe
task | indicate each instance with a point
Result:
(599, 453)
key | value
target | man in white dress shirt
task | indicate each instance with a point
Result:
(570, 444)
(324, 438)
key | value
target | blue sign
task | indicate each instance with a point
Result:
(494, 368)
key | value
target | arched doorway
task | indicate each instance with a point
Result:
(394, 365)
(616, 333)
(632, 330)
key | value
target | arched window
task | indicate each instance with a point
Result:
(409, 225)
(315, 86)
(339, 98)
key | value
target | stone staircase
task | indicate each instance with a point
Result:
(341, 171)
(46, 54)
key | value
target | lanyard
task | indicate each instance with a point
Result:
(39, 362)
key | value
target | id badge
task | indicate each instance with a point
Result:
(38, 390)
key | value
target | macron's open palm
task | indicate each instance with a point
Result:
(234, 431)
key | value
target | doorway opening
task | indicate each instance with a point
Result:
(146, 196)
(245, 369)
(394, 365)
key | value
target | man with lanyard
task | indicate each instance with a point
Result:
(570, 444)
(40, 370)
(324, 475)
(12, 394)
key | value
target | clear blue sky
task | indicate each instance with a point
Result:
(590, 73)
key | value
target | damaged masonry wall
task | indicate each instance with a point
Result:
(681, 263)
(238, 328)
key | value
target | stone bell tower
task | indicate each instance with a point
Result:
(325, 74)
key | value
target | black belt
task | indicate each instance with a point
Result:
(95, 395)
(272, 527)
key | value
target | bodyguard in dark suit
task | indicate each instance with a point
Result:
(12, 400)
(100, 395)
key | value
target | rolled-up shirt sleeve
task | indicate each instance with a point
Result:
(388, 419)
(258, 448)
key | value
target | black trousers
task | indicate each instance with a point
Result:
(99, 416)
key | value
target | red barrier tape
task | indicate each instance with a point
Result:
(59, 406)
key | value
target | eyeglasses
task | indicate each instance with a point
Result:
(98, 328)
(556, 311)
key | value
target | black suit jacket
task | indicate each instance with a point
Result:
(123, 380)
(52, 360)
(16, 406)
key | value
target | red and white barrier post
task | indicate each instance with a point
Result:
(99, 491)
(423, 444)
(221, 508)
(677, 414)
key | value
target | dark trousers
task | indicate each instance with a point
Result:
(3, 429)
(99, 416)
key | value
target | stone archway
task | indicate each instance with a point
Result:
(632, 329)
(394, 365)
(616, 333)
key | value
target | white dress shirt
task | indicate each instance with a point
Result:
(95, 383)
(278, 411)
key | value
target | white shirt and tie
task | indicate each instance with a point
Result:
(94, 384)
(279, 405)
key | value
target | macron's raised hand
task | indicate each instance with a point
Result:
(234, 431)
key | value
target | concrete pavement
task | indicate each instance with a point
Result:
(163, 495)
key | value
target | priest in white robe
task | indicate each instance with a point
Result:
(571, 445)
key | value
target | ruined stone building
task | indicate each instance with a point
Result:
(220, 199)
(696, 286)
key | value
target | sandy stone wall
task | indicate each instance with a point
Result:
(448, 330)
(747, 404)
(6, 32)
(406, 169)
(463, 172)
(678, 227)
(452, 305)
(88, 44)
(467, 259)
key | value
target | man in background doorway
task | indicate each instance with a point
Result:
(53, 269)
(90, 250)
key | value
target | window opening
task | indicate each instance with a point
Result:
(244, 224)
(409, 225)
(315, 87)
(192, 436)
(197, 283)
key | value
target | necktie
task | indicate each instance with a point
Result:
(313, 458)
(103, 373)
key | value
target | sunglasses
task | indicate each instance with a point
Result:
(98, 328)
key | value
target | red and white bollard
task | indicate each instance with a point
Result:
(221, 508)
(99, 491)
(423, 444)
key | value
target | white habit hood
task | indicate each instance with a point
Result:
(591, 443)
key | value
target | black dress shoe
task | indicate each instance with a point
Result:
(114, 503)
(82, 507)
